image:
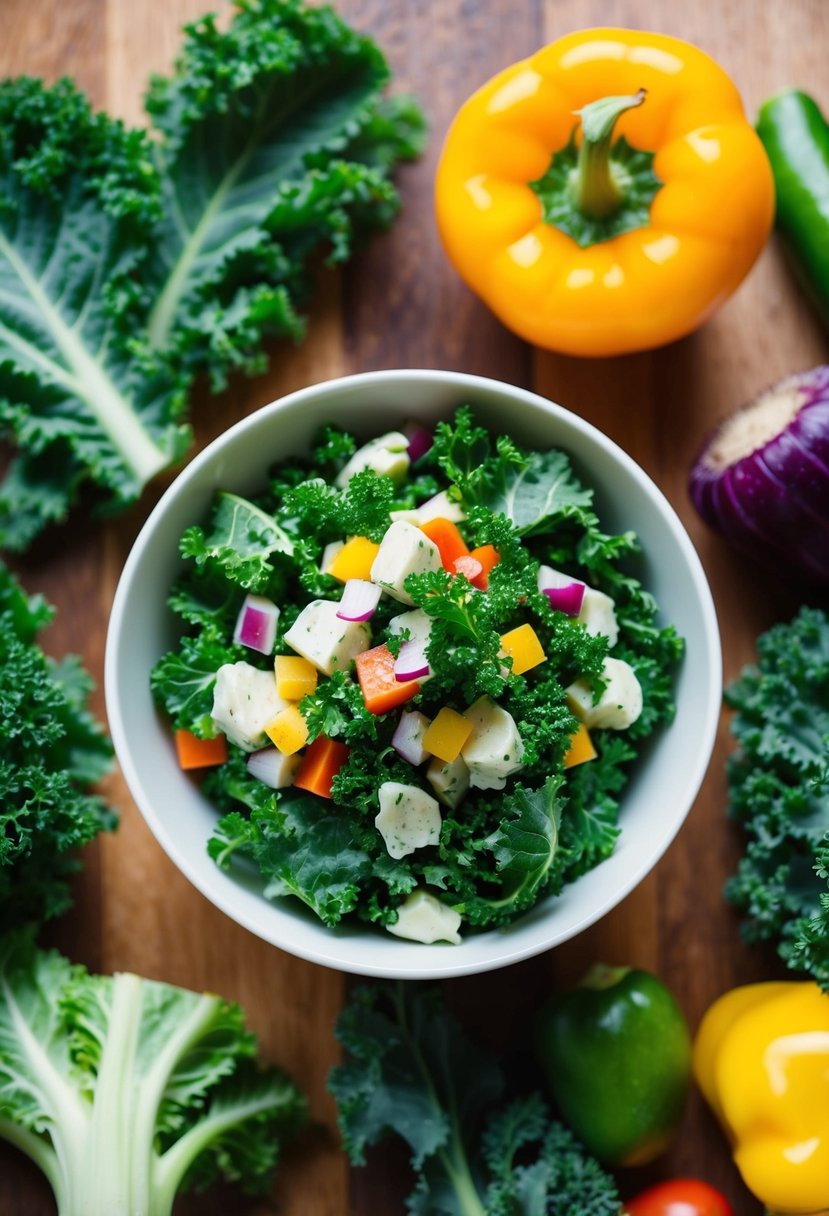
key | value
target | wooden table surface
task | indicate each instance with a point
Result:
(399, 304)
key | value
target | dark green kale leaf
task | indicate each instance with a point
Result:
(302, 847)
(182, 680)
(132, 261)
(411, 1071)
(51, 751)
(524, 846)
(779, 791)
(533, 490)
(81, 394)
(241, 542)
(274, 146)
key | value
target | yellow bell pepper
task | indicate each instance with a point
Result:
(524, 648)
(591, 247)
(761, 1058)
(354, 560)
(446, 734)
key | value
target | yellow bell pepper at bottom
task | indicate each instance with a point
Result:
(761, 1058)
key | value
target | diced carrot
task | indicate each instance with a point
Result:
(381, 691)
(451, 545)
(322, 761)
(489, 558)
(581, 748)
(194, 752)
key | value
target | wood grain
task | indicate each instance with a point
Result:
(400, 304)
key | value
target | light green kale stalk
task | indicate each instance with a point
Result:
(411, 1071)
(132, 261)
(123, 1090)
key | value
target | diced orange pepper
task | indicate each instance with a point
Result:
(320, 765)
(194, 752)
(581, 748)
(354, 560)
(447, 734)
(451, 545)
(489, 558)
(381, 691)
(523, 647)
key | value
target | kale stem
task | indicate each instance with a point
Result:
(454, 1162)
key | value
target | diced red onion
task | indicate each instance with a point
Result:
(567, 599)
(359, 600)
(564, 593)
(762, 477)
(468, 566)
(407, 739)
(256, 624)
(420, 440)
(270, 766)
(411, 662)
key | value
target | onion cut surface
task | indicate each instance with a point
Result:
(762, 477)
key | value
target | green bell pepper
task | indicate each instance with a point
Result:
(795, 135)
(616, 1052)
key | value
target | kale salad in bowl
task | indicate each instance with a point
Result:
(413, 673)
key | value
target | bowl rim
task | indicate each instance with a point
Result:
(502, 954)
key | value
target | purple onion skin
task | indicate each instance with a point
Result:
(772, 502)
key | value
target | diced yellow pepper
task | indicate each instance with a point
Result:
(447, 734)
(288, 731)
(581, 748)
(354, 560)
(523, 647)
(295, 677)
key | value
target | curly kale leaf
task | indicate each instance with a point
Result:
(301, 845)
(411, 1071)
(158, 1084)
(779, 792)
(131, 261)
(51, 751)
(81, 394)
(524, 846)
(274, 145)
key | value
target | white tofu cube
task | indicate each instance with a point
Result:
(440, 506)
(423, 918)
(416, 623)
(325, 639)
(404, 550)
(598, 615)
(494, 749)
(409, 818)
(449, 781)
(245, 701)
(387, 456)
(619, 705)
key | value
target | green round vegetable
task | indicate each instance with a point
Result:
(617, 1055)
(795, 135)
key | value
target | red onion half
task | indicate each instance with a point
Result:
(762, 477)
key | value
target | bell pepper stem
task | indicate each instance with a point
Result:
(595, 187)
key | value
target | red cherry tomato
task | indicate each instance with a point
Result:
(680, 1197)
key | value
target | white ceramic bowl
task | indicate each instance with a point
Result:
(663, 786)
